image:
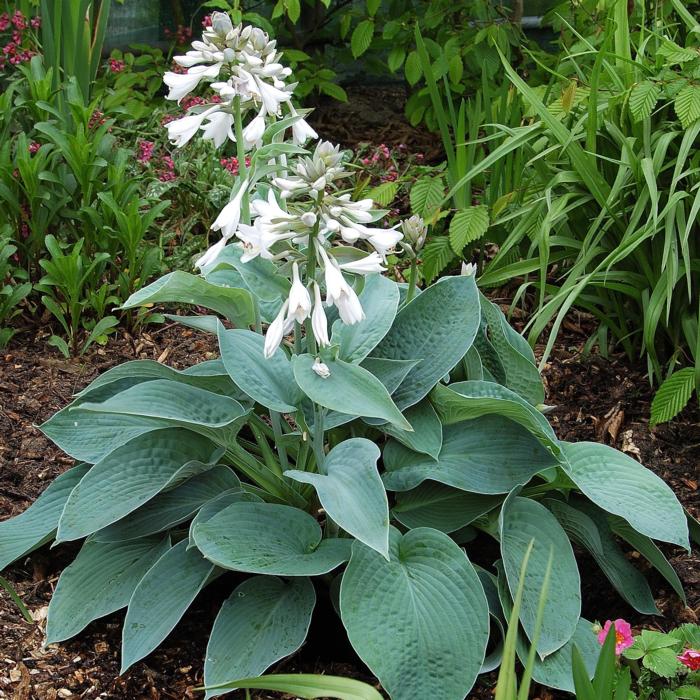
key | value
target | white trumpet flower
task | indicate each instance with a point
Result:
(230, 215)
(301, 131)
(219, 128)
(182, 84)
(319, 322)
(299, 299)
(276, 331)
(364, 266)
(339, 293)
(180, 131)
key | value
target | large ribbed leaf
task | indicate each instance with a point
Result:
(352, 493)
(265, 538)
(419, 620)
(441, 507)
(172, 401)
(131, 475)
(488, 455)
(100, 580)
(348, 389)
(622, 486)
(426, 436)
(264, 620)
(471, 399)
(437, 328)
(160, 599)
(182, 287)
(37, 525)
(269, 381)
(522, 521)
(380, 300)
(588, 527)
(172, 507)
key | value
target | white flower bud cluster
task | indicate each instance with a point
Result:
(252, 72)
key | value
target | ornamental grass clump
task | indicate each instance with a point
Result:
(355, 433)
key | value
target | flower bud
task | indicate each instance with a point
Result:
(308, 219)
(229, 55)
(221, 23)
(415, 231)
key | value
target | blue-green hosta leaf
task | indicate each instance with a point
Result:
(380, 300)
(515, 354)
(620, 485)
(486, 455)
(389, 372)
(590, 530)
(352, 493)
(184, 288)
(437, 328)
(522, 521)
(471, 399)
(269, 381)
(426, 436)
(420, 621)
(172, 507)
(131, 475)
(265, 538)
(263, 620)
(216, 505)
(646, 547)
(160, 599)
(100, 581)
(349, 389)
(35, 526)
(441, 507)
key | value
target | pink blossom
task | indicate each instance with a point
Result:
(34, 146)
(623, 634)
(691, 659)
(18, 20)
(167, 171)
(206, 21)
(145, 151)
(4, 21)
(116, 66)
(35, 22)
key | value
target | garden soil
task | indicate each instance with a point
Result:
(594, 398)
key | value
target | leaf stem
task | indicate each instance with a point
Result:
(276, 420)
(240, 154)
(413, 275)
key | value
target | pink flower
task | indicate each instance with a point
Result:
(623, 635)
(145, 151)
(691, 659)
(4, 21)
(116, 66)
(34, 146)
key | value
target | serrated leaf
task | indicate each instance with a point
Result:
(361, 38)
(262, 621)
(412, 68)
(384, 194)
(643, 99)
(396, 58)
(373, 6)
(436, 256)
(672, 396)
(426, 195)
(419, 620)
(687, 105)
(467, 226)
(677, 54)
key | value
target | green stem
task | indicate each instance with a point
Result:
(267, 453)
(276, 421)
(4, 583)
(311, 265)
(240, 154)
(413, 275)
(318, 436)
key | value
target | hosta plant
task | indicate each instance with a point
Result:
(371, 441)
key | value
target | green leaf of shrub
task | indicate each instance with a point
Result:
(672, 396)
(420, 620)
(687, 105)
(620, 485)
(352, 493)
(100, 581)
(521, 522)
(261, 622)
(643, 99)
(436, 328)
(266, 538)
(427, 194)
(412, 68)
(361, 38)
(467, 226)
(349, 389)
(160, 599)
(488, 455)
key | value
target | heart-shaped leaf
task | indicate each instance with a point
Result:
(420, 621)
(263, 620)
(352, 493)
(426, 436)
(266, 538)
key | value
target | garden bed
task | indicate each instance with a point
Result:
(594, 399)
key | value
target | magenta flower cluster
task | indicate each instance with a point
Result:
(20, 46)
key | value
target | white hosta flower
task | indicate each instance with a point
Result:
(276, 331)
(255, 241)
(180, 131)
(468, 269)
(211, 254)
(319, 322)
(182, 84)
(364, 266)
(321, 369)
(253, 133)
(339, 293)
(299, 299)
(384, 240)
(301, 131)
(230, 216)
(270, 96)
(219, 128)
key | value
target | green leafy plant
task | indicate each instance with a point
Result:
(12, 292)
(377, 439)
